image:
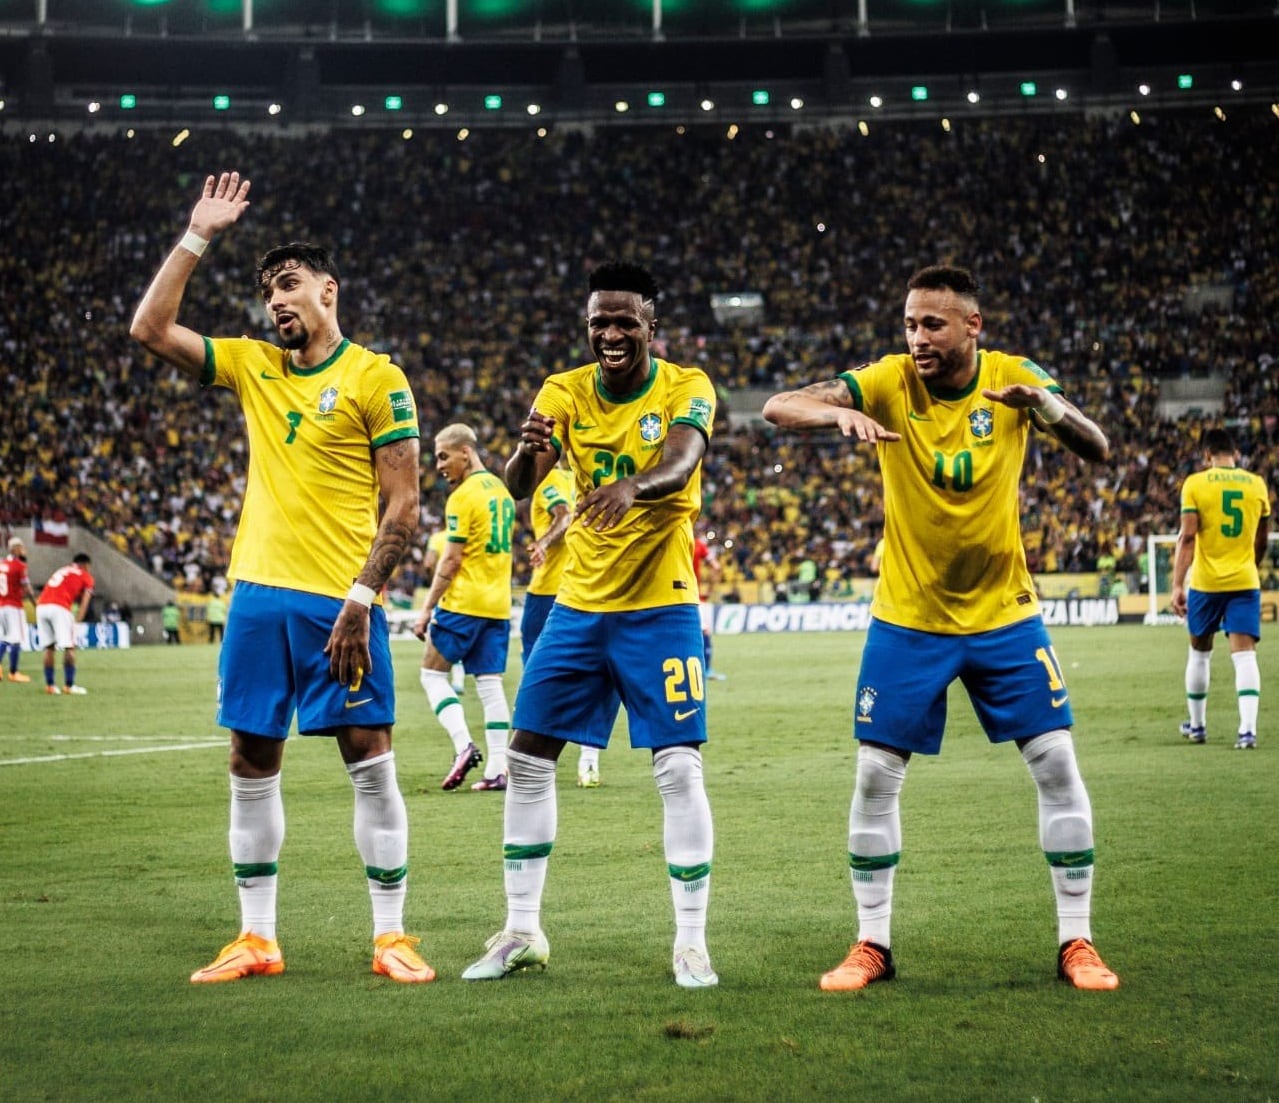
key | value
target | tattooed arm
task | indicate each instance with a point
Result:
(1070, 425)
(823, 406)
(397, 472)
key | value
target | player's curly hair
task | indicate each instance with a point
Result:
(619, 275)
(303, 253)
(945, 277)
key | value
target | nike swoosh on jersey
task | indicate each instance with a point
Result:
(357, 704)
(684, 714)
(915, 417)
(268, 375)
(582, 428)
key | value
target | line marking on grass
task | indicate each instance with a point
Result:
(33, 759)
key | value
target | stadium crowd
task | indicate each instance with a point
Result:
(1118, 256)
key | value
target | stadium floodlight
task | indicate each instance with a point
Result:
(1143, 88)
(621, 107)
(406, 133)
(221, 103)
(128, 101)
(1236, 85)
(94, 107)
(877, 101)
(657, 99)
(393, 103)
(534, 109)
(1185, 81)
(796, 103)
(492, 102)
(1061, 94)
(974, 97)
(761, 97)
(1135, 117)
(441, 108)
(1029, 88)
(357, 109)
(274, 109)
(919, 92)
(708, 105)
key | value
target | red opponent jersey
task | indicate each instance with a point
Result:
(13, 581)
(66, 586)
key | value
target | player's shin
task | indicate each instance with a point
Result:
(875, 840)
(382, 838)
(689, 839)
(528, 834)
(256, 836)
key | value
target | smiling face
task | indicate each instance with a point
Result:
(301, 303)
(941, 332)
(619, 327)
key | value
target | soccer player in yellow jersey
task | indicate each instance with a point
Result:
(332, 428)
(949, 421)
(435, 545)
(466, 616)
(550, 514)
(625, 621)
(1225, 524)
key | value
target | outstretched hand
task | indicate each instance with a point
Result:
(224, 199)
(1020, 396)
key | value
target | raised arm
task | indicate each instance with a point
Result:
(1056, 415)
(155, 323)
(533, 457)
(397, 473)
(825, 405)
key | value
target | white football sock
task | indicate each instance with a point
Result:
(689, 840)
(1198, 675)
(497, 722)
(447, 708)
(528, 833)
(256, 837)
(382, 838)
(1248, 689)
(1065, 829)
(875, 839)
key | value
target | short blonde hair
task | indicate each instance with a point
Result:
(455, 434)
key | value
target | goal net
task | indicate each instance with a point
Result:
(1160, 549)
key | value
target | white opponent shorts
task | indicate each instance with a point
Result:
(707, 611)
(56, 626)
(13, 624)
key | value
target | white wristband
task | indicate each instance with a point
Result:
(361, 594)
(194, 243)
(1052, 411)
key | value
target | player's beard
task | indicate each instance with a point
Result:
(299, 338)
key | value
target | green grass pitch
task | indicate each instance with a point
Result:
(115, 885)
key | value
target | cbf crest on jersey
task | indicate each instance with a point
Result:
(650, 427)
(328, 400)
(981, 422)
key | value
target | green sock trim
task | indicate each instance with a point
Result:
(1250, 693)
(511, 853)
(445, 704)
(866, 864)
(689, 873)
(388, 878)
(1069, 859)
(1196, 696)
(244, 870)
(497, 725)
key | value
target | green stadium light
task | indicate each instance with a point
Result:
(1185, 81)
(221, 103)
(393, 103)
(492, 103)
(657, 99)
(128, 101)
(919, 93)
(1029, 88)
(760, 97)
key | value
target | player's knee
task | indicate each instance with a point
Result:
(677, 770)
(880, 773)
(1051, 760)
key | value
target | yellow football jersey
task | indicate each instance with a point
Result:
(646, 560)
(480, 514)
(555, 493)
(1230, 502)
(953, 557)
(310, 508)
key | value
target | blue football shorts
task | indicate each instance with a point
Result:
(1233, 611)
(480, 644)
(273, 663)
(537, 608)
(584, 664)
(1011, 674)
